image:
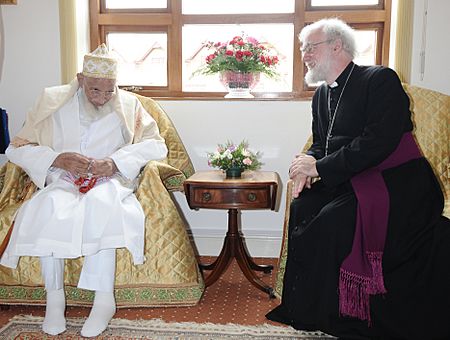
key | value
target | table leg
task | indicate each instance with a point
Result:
(233, 247)
(266, 268)
(246, 264)
(220, 264)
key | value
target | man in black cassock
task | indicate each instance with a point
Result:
(368, 249)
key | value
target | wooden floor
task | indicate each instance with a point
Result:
(232, 299)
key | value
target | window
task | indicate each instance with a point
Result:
(161, 43)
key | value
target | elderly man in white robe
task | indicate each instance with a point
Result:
(83, 145)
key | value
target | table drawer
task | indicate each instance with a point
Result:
(238, 198)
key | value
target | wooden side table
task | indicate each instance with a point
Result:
(254, 190)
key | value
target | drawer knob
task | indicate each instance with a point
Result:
(252, 197)
(206, 196)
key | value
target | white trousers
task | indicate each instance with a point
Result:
(97, 274)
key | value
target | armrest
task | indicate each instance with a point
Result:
(16, 186)
(284, 242)
(171, 177)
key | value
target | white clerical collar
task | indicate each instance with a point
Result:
(333, 85)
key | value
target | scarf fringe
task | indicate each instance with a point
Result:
(353, 295)
(355, 289)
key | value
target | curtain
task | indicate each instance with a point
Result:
(403, 42)
(68, 38)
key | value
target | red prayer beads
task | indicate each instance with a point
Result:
(85, 184)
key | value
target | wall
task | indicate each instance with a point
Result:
(31, 56)
(277, 128)
(435, 41)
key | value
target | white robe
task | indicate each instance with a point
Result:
(60, 221)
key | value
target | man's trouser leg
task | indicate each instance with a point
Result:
(52, 270)
(98, 272)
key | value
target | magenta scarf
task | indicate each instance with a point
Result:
(361, 273)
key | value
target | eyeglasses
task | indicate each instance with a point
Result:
(311, 47)
(97, 93)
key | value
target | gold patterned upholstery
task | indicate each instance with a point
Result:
(169, 276)
(431, 117)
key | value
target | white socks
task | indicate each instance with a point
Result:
(54, 321)
(101, 314)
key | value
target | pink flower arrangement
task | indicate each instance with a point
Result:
(241, 54)
(230, 155)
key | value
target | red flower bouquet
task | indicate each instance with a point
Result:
(241, 54)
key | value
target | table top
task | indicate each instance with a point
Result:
(247, 177)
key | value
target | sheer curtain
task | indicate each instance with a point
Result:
(74, 36)
(403, 43)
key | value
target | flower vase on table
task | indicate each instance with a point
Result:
(239, 84)
(233, 159)
(234, 172)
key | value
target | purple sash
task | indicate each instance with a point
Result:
(361, 273)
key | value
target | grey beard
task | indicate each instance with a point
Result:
(91, 111)
(313, 77)
(319, 73)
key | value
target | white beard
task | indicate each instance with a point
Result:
(319, 72)
(93, 112)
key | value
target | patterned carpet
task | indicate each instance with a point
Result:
(29, 327)
(231, 300)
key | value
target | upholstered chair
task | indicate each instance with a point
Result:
(170, 274)
(431, 116)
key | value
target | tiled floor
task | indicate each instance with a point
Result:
(232, 299)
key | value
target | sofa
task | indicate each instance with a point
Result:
(170, 275)
(431, 117)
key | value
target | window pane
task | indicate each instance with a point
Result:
(334, 3)
(366, 42)
(115, 4)
(142, 58)
(237, 6)
(277, 37)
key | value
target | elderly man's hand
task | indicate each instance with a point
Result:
(300, 182)
(303, 165)
(73, 162)
(83, 166)
(302, 171)
(102, 167)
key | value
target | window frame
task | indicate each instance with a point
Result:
(171, 20)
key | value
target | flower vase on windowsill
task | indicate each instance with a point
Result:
(239, 63)
(239, 84)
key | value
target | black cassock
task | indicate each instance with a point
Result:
(371, 117)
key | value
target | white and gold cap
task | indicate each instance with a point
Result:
(100, 64)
